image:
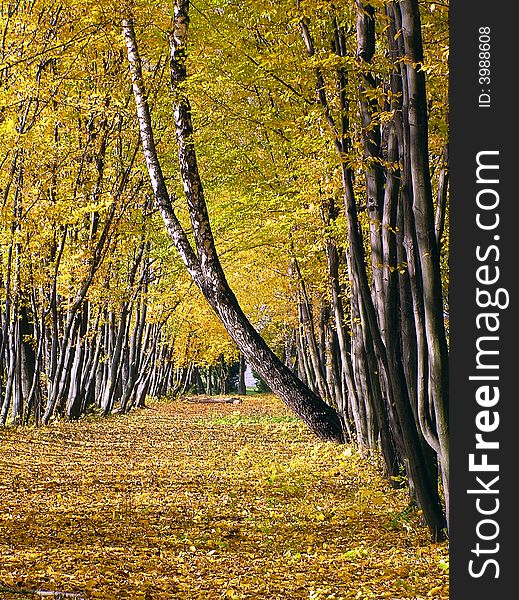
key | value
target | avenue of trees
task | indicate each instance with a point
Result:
(188, 186)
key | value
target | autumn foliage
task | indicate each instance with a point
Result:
(201, 501)
(300, 227)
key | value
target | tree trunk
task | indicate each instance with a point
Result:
(205, 267)
(242, 389)
(423, 209)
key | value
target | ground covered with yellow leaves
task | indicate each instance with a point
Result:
(205, 501)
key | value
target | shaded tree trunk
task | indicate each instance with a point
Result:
(242, 389)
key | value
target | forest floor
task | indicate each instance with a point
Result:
(205, 501)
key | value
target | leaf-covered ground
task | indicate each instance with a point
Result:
(204, 501)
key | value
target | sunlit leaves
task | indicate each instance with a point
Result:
(266, 156)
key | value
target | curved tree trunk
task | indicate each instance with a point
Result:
(204, 266)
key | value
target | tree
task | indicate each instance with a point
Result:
(204, 265)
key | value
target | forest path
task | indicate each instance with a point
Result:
(204, 501)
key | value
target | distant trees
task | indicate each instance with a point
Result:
(315, 213)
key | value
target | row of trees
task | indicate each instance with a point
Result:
(314, 164)
(90, 309)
